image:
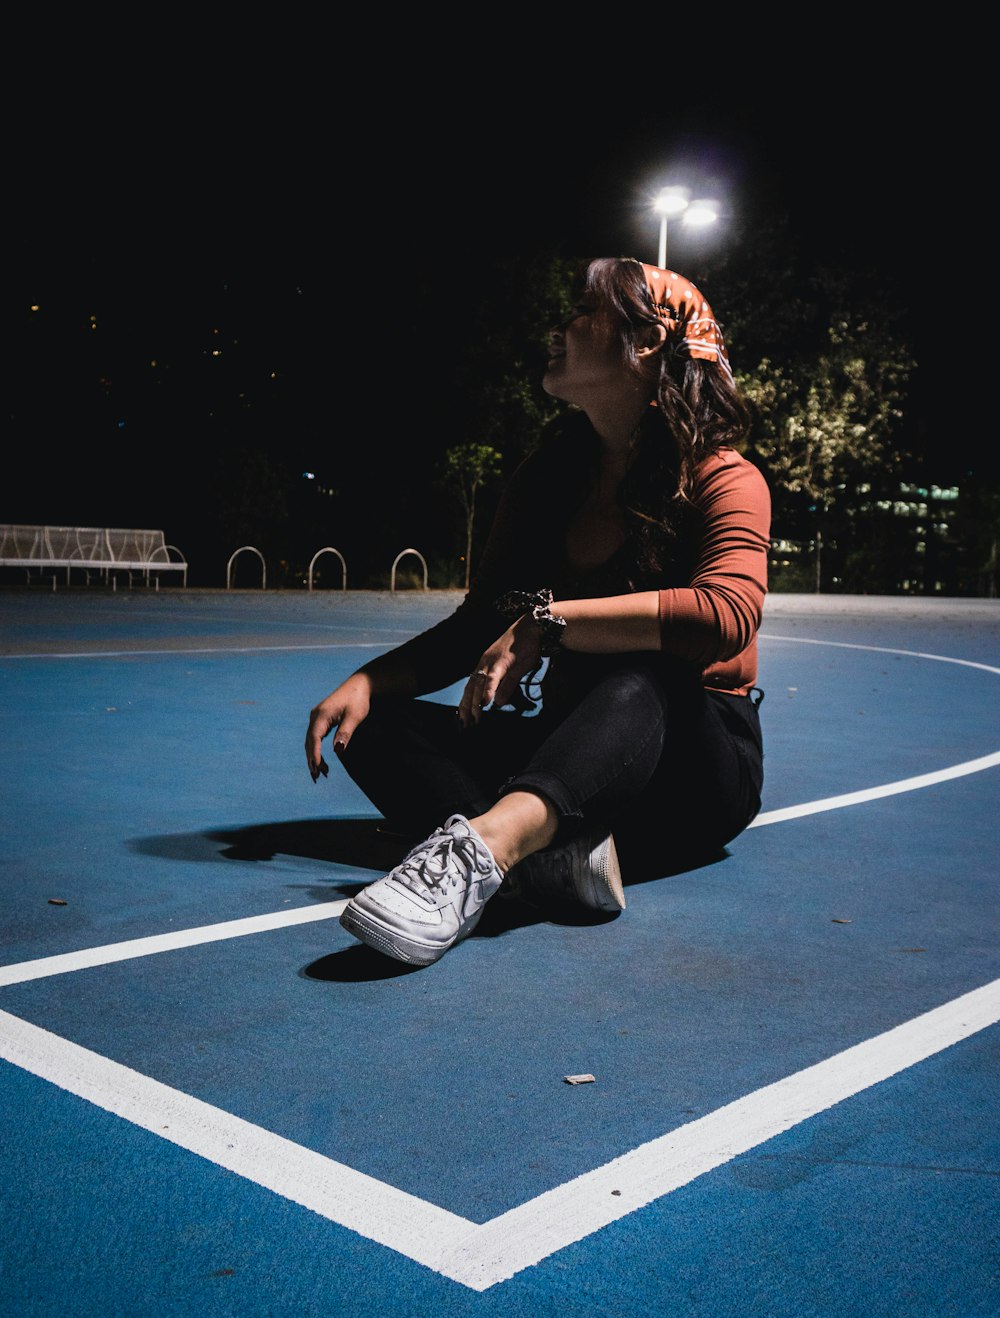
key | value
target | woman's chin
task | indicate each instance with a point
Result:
(550, 383)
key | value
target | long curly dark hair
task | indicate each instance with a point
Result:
(698, 411)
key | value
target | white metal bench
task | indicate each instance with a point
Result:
(101, 550)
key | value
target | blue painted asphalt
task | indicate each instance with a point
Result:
(156, 782)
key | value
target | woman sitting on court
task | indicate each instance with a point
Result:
(609, 725)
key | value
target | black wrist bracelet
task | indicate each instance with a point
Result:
(538, 603)
(552, 629)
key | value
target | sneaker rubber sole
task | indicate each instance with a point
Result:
(391, 942)
(603, 882)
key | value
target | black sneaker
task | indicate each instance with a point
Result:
(585, 871)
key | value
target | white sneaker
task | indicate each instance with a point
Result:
(585, 871)
(430, 900)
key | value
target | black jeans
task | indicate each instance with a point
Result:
(674, 770)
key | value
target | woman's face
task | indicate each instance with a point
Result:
(585, 357)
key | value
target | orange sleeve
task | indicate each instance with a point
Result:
(713, 621)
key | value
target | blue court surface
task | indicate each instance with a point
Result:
(213, 1101)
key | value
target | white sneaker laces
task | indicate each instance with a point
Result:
(446, 859)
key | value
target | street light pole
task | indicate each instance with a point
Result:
(672, 202)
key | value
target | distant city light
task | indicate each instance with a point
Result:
(309, 475)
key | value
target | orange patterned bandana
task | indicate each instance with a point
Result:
(686, 313)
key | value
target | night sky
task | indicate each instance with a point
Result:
(304, 213)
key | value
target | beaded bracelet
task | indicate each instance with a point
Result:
(539, 604)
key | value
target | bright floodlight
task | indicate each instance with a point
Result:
(671, 201)
(701, 212)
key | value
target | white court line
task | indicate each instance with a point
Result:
(88, 957)
(481, 1256)
(333, 1190)
(885, 789)
(226, 620)
(523, 1236)
(881, 649)
(217, 649)
(874, 793)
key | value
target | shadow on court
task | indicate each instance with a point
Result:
(370, 844)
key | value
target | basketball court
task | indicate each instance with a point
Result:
(214, 1101)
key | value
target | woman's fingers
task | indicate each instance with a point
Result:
(317, 765)
(320, 722)
(476, 696)
(345, 731)
(498, 673)
(465, 704)
(475, 690)
(314, 747)
(505, 688)
(487, 685)
(344, 709)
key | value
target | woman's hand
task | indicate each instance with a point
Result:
(498, 673)
(342, 709)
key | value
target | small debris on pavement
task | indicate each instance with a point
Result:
(579, 1079)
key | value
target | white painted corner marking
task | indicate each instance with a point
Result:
(523, 1236)
(333, 1190)
(482, 1256)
